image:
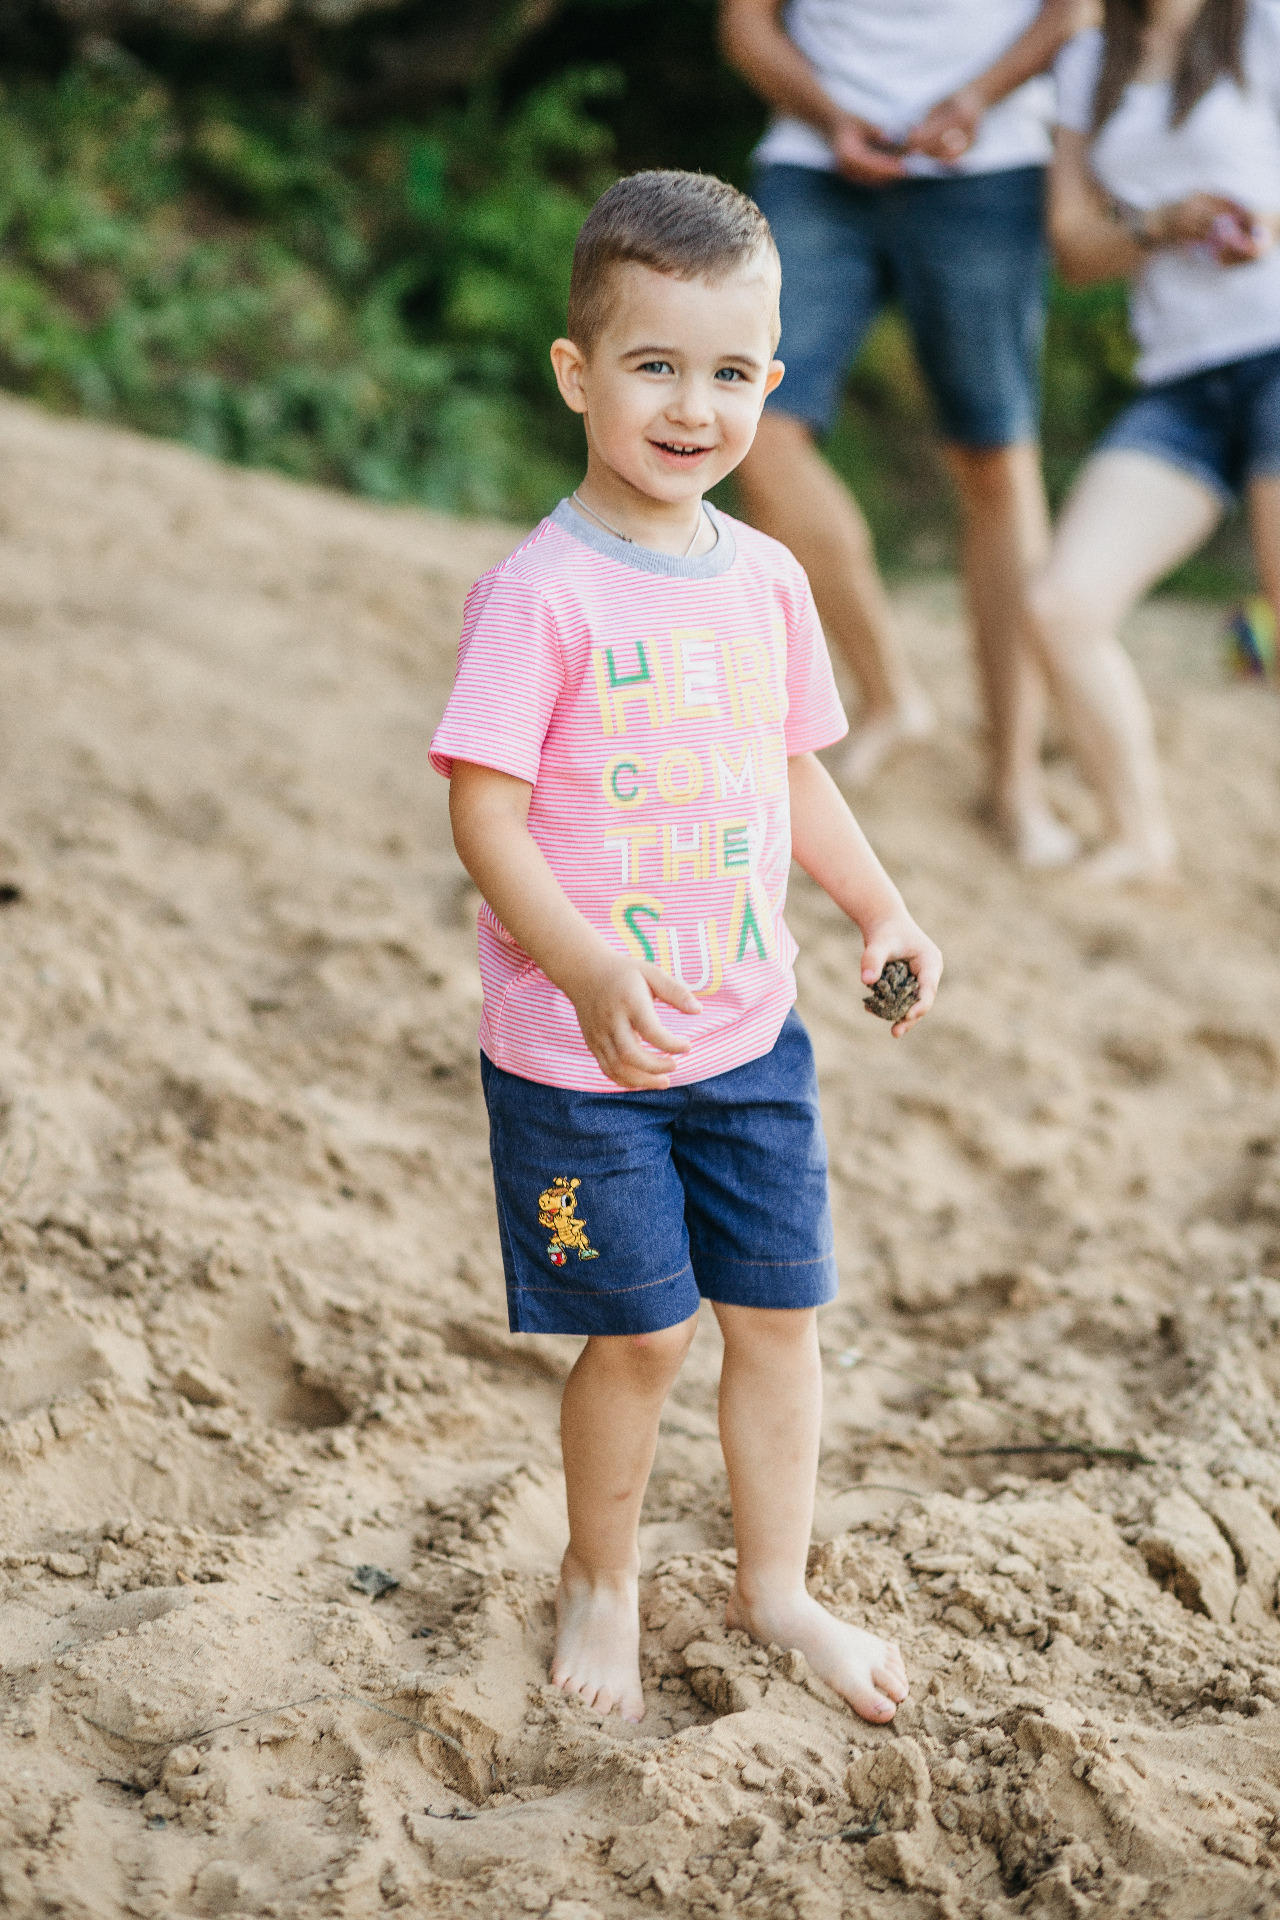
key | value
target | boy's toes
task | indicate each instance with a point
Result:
(873, 1706)
(890, 1674)
(890, 1682)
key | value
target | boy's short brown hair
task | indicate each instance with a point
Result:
(690, 225)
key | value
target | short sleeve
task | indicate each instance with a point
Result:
(510, 675)
(1075, 76)
(1262, 50)
(815, 717)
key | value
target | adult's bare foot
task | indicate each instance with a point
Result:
(1036, 837)
(881, 735)
(1126, 863)
(597, 1652)
(862, 1668)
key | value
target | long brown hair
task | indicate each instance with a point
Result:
(1211, 48)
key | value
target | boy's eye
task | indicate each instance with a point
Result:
(730, 373)
(655, 366)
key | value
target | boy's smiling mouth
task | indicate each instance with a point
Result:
(679, 449)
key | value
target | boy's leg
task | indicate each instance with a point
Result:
(770, 1416)
(608, 1431)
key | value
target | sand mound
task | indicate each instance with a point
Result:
(279, 1500)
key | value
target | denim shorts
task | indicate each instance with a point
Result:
(963, 255)
(1221, 425)
(618, 1211)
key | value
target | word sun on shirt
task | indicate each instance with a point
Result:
(657, 752)
(748, 679)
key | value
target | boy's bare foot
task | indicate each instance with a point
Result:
(597, 1652)
(861, 1667)
(881, 735)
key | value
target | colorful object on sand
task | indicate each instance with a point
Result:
(1251, 640)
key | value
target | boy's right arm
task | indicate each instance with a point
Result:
(612, 994)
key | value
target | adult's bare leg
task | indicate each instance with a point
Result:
(1264, 522)
(1130, 518)
(789, 491)
(1005, 538)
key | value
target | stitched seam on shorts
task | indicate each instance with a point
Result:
(718, 1260)
(607, 1293)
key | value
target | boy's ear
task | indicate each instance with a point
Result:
(773, 376)
(569, 362)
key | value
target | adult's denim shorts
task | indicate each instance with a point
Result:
(619, 1211)
(1221, 426)
(963, 255)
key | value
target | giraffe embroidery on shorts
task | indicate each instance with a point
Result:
(557, 1209)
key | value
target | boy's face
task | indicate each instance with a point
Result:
(672, 388)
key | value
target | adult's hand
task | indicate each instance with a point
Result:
(949, 130)
(1232, 232)
(864, 153)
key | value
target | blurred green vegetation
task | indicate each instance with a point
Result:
(207, 243)
(369, 307)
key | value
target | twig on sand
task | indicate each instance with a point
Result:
(868, 1831)
(880, 1486)
(1127, 1456)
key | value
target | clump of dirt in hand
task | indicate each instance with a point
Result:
(894, 993)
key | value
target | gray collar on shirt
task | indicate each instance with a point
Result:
(646, 559)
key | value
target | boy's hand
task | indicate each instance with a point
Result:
(614, 1005)
(899, 938)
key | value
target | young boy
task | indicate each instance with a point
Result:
(630, 743)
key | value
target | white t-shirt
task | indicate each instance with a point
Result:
(889, 61)
(1188, 313)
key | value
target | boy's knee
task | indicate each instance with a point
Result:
(652, 1356)
(768, 1330)
(670, 1343)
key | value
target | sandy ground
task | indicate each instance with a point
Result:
(253, 1336)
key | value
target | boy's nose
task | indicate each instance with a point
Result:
(691, 405)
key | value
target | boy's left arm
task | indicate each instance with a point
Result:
(829, 844)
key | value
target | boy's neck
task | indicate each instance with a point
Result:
(679, 528)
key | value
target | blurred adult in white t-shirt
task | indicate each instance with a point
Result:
(905, 162)
(1166, 171)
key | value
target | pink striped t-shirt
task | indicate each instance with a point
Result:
(651, 703)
